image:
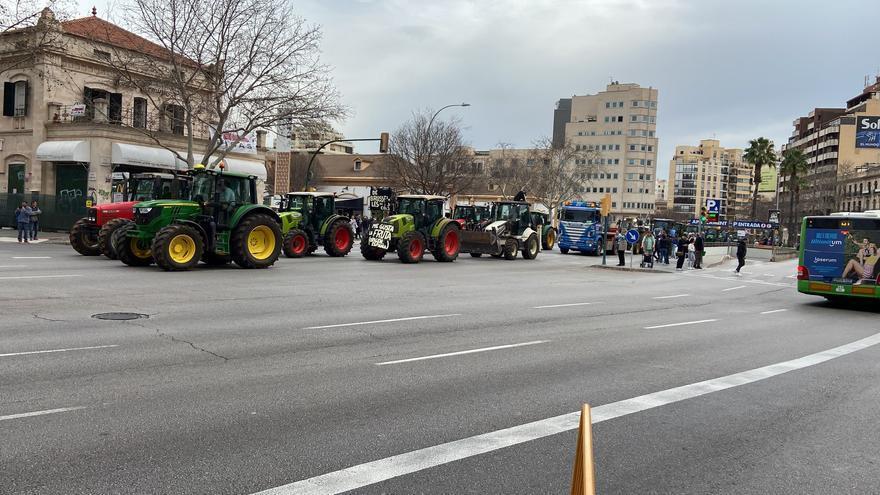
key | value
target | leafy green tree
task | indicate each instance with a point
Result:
(794, 168)
(759, 154)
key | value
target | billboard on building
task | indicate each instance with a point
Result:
(868, 132)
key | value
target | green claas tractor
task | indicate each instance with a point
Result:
(219, 223)
(509, 233)
(548, 232)
(418, 225)
(313, 223)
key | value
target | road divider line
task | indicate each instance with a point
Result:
(670, 297)
(459, 353)
(773, 311)
(734, 288)
(38, 276)
(361, 475)
(409, 318)
(680, 324)
(58, 350)
(563, 305)
(31, 257)
(40, 413)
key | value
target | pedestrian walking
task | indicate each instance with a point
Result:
(35, 220)
(355, 226)
(740, 255)
(23, 221)
(698, 252)
(621, 246)
(681, 252)
(663, 248)
(648, 244)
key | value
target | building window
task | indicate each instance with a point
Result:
(173, 119)
(357, 165)
(139, 113)
(15, 99)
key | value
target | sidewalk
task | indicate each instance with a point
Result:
(714, 256)
(11, 235)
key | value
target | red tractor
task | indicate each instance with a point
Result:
(92, 235)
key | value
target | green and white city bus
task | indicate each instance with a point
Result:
(838, 256)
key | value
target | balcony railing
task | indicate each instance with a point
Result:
(135, 118)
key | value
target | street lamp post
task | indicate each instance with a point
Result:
(431, 122)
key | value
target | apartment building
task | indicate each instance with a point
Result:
(840, 156)
(708, 171)
(70, 124)
(619, 123)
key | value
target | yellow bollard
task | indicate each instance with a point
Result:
(583, 479)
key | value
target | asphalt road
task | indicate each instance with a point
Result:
(294, 378)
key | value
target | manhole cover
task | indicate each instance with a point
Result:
(119, 316)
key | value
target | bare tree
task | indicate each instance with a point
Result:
(427, 160)
(223, 70)
(561, 173)
(510, 170)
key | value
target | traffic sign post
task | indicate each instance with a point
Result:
(632, 237)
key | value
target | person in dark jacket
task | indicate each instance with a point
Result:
(520, 196)
(698, 252)
(681, 252)
(23, 221)
(740, 254)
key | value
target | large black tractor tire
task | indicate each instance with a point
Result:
(371, 253)
(411, 248)
(256, 242)
(448, 244)
(105, 236)
(129, 250)
(530, 247)
(296, 244)
(511, 249)
(177, 248)
(214, 259)
(476, 255)
(83, 239)
(549, 239)
(339, 239)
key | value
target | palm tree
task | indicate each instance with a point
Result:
(793, 166)
(760, 154)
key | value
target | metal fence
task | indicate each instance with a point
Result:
(58, 212)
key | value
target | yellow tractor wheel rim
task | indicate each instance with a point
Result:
(138, 251)
(261, 242)
(182, 249)
(551, 238)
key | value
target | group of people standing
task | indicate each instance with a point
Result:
(27, 220)
(690, 247)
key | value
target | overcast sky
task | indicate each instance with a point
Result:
(733, 69)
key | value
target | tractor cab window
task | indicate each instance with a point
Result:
(203, 188)
(141, 189)
(323, 206)
(410, 206)
(434, 210)
(505, 211)
(233, 191)
(296, 202)
(525, 220)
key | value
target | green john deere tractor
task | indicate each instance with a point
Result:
(221, 222)
(418, 225)
(548, 232)
(313, 223)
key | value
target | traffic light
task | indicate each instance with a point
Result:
(605, 207)
(383, 142)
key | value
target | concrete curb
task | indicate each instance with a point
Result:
(627, 269)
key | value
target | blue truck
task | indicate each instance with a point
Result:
(580, 228)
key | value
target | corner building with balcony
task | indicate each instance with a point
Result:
(70, 123)
(619, 123)
(708, 171)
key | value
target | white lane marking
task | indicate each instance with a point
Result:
(670, 297)
(563, 305)
(410, 318)
(459, 353)
(13, 266)
(744, 280)
(773, 311)
(31, 257)
(58, 350)
(679, 324)
(38, 276)
(40, 413)
(361, 475)
(734, 288)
